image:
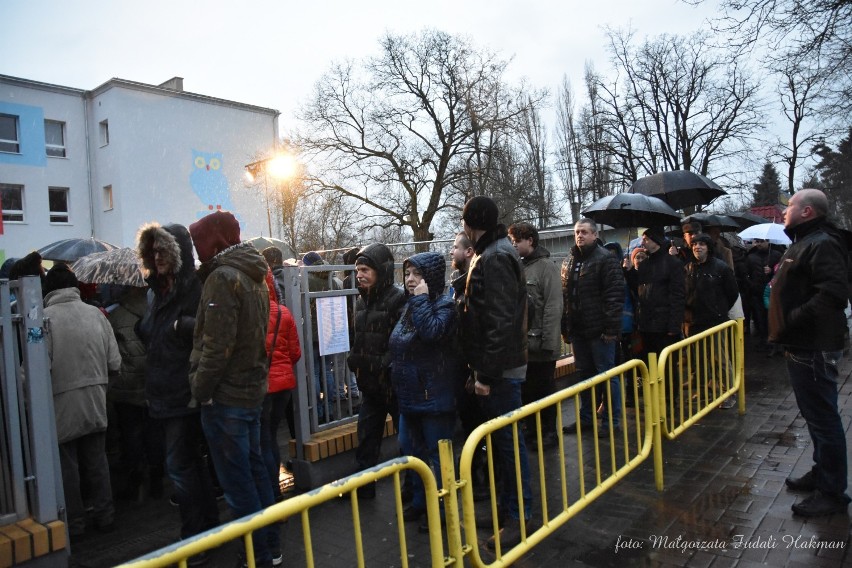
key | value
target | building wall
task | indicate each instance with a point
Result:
(171, 157)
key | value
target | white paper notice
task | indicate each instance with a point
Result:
(332, 325)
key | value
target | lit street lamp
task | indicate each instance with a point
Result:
(280, 166)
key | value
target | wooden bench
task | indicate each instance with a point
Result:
(27, 539)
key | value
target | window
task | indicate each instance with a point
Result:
(104, 129)
(12, 201)
(107, 198)
(9, 139)
(57, 198)
(54, 138)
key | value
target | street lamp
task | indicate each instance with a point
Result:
(280, 166)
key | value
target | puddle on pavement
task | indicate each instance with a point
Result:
(787, 439)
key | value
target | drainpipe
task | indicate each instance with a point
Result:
(89, 165)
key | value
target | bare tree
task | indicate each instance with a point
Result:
(533, 144)
(677, 104)
(570, 163)
(817, 33)
(397, 131)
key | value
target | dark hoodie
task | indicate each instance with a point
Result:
(167, 363)
(376, 312)
(229, 363)
(425, 363)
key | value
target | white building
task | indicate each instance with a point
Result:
(76, 163)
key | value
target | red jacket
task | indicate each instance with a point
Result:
(286, 350)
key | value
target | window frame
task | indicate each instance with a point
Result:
(55, 147)
(103, 129)
(66, 213)
(16, 142)
(16, 212)
(107, 200)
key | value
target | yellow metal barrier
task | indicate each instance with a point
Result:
(300, 506)
(698, 374)
(600, 456)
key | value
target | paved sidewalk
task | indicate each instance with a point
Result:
(724, 504)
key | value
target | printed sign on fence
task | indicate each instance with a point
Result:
(332, 325)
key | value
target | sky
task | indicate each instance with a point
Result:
(270, 53)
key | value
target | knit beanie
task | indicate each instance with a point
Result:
(214, 233)
(657, 235)
(58, 277)
(480, 213)
(312, 258)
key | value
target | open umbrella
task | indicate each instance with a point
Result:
(772, 232)
(678, 188)
(631, 210)
(715, 220)
(261, 243)
(117, 266)
(69, 250)
(746, 219)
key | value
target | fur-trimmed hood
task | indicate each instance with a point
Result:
(174, 239)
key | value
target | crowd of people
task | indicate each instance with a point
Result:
(198, 367)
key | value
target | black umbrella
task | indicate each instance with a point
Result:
(69, 250)
(746, 219)
(679, 188)
(631, 210)
(714, 220)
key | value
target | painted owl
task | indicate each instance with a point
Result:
(208, 182)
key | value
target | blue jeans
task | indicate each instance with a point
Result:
(329, 389)
(189, 473)
(593, 357)
(505, 396)
(813, 375)
(233, 435)
(419, 435)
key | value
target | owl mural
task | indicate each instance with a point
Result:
(208, 182)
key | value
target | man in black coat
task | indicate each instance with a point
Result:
(661, 294)
(593, 299)
(806, 316)
(493, 327)
(761, 262)
(376, 312)
(711, 288)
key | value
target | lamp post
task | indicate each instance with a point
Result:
(280, 166)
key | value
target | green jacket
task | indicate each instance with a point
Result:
(544, 306)
(228, 363)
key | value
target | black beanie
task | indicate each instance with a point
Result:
(657, 235)
(58, 277)
(480, 213)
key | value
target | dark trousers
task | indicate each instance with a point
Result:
(540, 383)
(371, 427)
(188, 470)
(274, 411)
(760, 316)
(86, 453)
(813, 375)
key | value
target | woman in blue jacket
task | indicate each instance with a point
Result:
(425, 367)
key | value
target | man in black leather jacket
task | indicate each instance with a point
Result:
(808, 295)
(493, 327)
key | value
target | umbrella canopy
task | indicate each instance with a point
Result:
(119, 266)
(679, 188)
(746, 219)
(69, 250)
(631, 210)
(261, 243)
(772, 232)
(714, 220)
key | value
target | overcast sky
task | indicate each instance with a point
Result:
(270, 53)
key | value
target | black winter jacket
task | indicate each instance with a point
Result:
(711, 291)
(376, 313)
(661, 294)
(493, 321)
(809, 290)
(596, 307)
(757, 277)
(167, 364)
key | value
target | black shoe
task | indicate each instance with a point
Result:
(819, 504)
(412, 513)
(603, 432)
(804, 483)
(173, 500)
(510, 535)
(572, 428)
